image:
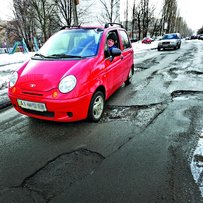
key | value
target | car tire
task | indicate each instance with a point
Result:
(159, 48)
(130, 76)
(96, 107)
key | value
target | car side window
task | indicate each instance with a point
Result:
(113, 36)
(125, 39)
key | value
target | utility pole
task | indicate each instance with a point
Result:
(75, 16)
(126, 16)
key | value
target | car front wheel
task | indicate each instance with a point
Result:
(96, 107)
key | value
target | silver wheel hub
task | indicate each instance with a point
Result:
(98, 107)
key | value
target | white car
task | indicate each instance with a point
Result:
(170, 41)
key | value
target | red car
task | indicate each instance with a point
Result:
(73, 74)
(147, 40)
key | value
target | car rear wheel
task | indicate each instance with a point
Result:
(130, 77)
(96, 107)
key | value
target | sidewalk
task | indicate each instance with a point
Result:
(9, 63)
(4, 100)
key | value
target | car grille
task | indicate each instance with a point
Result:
(33, 94)
(166, 42)
(39, 113)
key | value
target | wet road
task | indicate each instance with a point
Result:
(147, 147)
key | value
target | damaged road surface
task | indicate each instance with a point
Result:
(146, 148)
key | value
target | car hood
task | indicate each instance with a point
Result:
(43, 75)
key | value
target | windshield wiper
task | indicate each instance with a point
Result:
(40, 55)
(63, 56)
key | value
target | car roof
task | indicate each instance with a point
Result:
(172, 33)
(106, 26)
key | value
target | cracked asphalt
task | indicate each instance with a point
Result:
(146, 148)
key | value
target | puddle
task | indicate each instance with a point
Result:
(184, 98)
(197, 164)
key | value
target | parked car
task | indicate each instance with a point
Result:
(133, 40)
(194, 37)
(73, 74)
(187, 38)
(170, 41)
(147, 40)
(200, 37)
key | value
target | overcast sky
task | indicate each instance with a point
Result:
(190, 10)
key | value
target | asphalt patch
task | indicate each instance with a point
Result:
(62, 172)
(142, 115)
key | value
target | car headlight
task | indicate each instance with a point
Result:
(67, 84)
(13, 79)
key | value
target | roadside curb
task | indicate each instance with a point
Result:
(4, 100)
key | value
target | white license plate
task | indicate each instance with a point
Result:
(32, 105)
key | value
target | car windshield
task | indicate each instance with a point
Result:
(71, 44)
(170, 36)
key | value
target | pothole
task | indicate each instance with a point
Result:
(142, 115)
(59, 174)
(197, 164)
(195, 73)
(179, 93)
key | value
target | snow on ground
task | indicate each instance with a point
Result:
(10, 62)
(6, 59)
(139, 47)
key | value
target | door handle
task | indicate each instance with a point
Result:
(122, 57)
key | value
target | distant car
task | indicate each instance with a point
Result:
(73, 74)
(158, 38)
(194, 37)
(200, 37)
(147, 40)
(170, 41)
(133, 40)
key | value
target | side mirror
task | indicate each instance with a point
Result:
(115, 52)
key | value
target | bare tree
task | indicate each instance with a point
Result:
(111, 11)
(64, 12)
(169, 15)
(126, 15)
(137, 18)
(45, 17)
(84, 11)
(23, 25)
(200, 31)
(143, 15)
(133, 19)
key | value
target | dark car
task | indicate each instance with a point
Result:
(170, 41)
(194, 37)
(200, 37)
(133, 40)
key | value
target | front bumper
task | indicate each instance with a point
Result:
(67, 110)
(167, 46)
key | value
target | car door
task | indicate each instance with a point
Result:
(113, 67)
(127, 55)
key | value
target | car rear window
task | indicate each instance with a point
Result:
(170, 36)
